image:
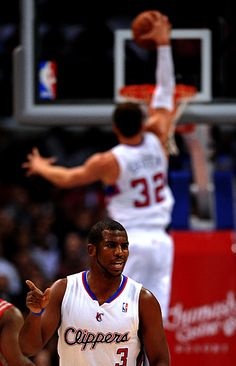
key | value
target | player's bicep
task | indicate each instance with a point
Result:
(152, 330)
(51, 317)
(49, 323)
(89, 172)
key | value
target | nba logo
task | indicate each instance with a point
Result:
(125, 307)
(47, 80)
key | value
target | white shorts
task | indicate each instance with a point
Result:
(150, 262)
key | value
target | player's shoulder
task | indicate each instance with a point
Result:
(58, 288)
(11, 316)
(146, 293)
(102, 157)
(147, 298)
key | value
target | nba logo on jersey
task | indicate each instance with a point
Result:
(125, 307)
(47, 80)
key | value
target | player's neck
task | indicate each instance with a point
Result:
(102, 285)
(135, 140)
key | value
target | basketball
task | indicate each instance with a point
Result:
(141, 25)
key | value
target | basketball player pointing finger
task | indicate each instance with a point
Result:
(103, 317)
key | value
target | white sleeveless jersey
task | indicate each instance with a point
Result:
(99, 335)
(141, 196)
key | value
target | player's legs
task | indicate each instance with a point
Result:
(151, 263)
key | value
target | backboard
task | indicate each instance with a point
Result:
(93, 55)
(196, 71)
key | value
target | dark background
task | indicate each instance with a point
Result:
(79, 36)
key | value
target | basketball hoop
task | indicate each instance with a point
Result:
(142, 93)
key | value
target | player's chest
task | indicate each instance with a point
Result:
(117, 316)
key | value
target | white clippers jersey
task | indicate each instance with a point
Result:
(141, 196)
(99, 335)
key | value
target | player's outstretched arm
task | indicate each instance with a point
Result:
(98, 167)
(152, 330)
(36, 164)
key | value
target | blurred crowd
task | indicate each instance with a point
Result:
(43, 240)
(43, 229)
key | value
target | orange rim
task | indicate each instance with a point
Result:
(143, 92)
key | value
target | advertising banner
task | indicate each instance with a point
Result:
(201, 327)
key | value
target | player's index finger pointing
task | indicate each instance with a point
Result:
(32, 286)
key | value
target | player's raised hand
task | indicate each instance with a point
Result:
(151, 28)
(36, 163)
(36, 299)
(160, 30)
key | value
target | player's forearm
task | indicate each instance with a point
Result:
(57, 175)
(165, 80)
(30, 338)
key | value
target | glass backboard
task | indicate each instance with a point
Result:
(89, 55)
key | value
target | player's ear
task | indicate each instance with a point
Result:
(116, 131)
(91, 250)
(114, 128)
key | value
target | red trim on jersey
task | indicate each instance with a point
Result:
(4, 305)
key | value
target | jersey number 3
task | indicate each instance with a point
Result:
(124, 355)
(158, 183)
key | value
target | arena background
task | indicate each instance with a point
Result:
(37, 219)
